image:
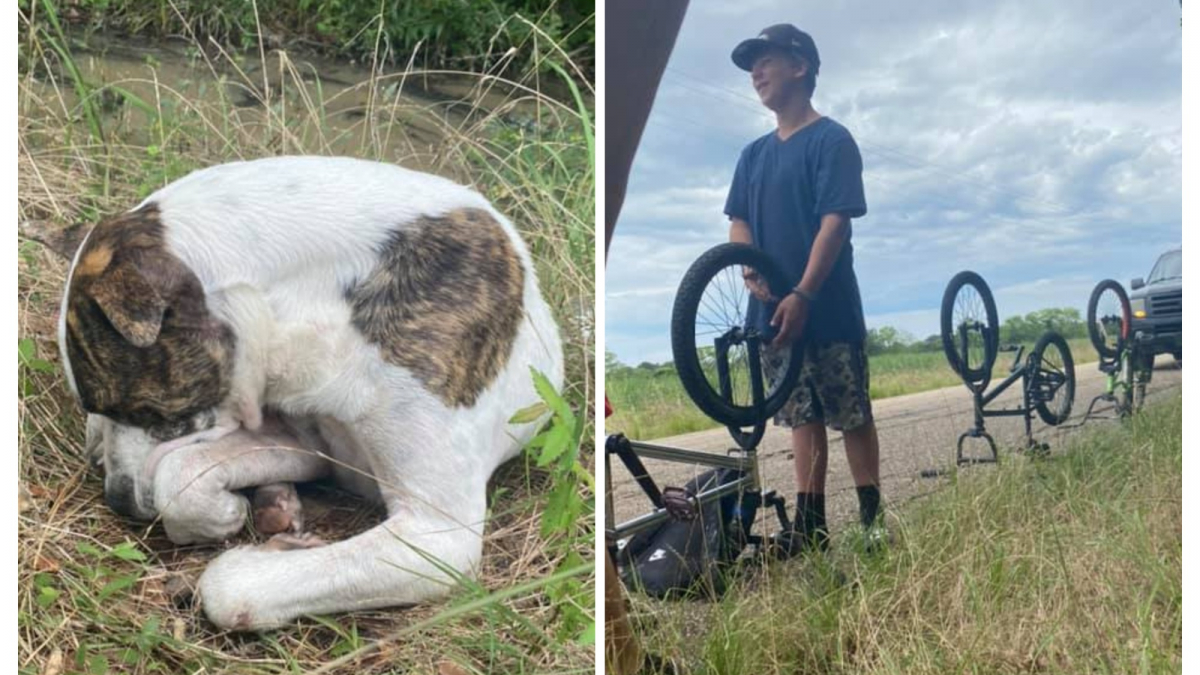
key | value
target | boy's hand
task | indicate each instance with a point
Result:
(790, 318)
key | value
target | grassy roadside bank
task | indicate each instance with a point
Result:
(433, 34)
(1070, 564)
(96, 595)
(651, 403)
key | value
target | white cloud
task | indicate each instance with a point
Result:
(1038, 144)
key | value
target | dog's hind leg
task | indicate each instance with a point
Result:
(418, 554)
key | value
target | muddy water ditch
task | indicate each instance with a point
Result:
(172, 94)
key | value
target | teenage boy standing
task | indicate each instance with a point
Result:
(793, 195)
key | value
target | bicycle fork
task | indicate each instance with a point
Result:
(976, 431)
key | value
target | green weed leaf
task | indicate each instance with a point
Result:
(587, 636)
(529, 414)
(46, 596)
(88, 549)
(552, 398)
(25, 349)
(127, 551)
(27, 355)
(116, 586)
(557, 442)
(563, 507)
(98, 665)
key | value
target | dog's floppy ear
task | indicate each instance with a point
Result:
(131, 303)
(64, 241)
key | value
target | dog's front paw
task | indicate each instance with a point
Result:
(193, 516)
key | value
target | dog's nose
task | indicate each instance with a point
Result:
(121, 496)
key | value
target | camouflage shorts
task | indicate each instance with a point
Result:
(833, 387)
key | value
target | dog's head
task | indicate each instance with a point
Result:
(138, 344)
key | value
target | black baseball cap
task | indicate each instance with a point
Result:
(782, 36)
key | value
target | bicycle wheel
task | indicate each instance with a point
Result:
(1052, 378)
(970, 330)
(1108, 318)
(710, 313)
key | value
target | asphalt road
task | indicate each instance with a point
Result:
(917, 433)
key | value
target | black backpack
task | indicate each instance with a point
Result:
(683, 558)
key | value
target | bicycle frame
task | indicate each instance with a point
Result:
(1125, 379)
(744, 457)
(1030, 395)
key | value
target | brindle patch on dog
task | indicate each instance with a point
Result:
(445, 302)
(143, 348)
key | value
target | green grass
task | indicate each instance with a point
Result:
(435, 33)
(900, 374)
(1071, 564)
(94, 594)
(652, 403)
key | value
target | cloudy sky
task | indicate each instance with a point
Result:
(1039, 144)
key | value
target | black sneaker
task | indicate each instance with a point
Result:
(874, 540)
(793, 541)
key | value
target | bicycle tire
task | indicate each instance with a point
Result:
(1038, 362)
(1094, 327)
(960, 363)
(683, 336)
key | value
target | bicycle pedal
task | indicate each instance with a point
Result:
(679, 503)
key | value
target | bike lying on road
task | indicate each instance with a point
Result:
(971, 340)
(1127, 366)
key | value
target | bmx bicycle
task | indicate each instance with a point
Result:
(1126, 365)
(971, 340)
(721, 358)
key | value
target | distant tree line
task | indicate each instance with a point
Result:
(1067, 321)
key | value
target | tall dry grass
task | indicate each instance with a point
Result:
(98, 595)
(1070, 564)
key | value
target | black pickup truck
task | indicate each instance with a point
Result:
(1157, 304)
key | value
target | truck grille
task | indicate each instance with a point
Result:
(1167, 304)
(1167, 328)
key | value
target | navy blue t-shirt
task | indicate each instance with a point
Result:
(782, 189)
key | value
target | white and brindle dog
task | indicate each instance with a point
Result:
(387, 318)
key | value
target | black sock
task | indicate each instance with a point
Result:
(810, 513)
(868, 504)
